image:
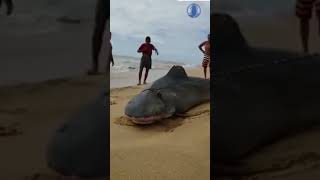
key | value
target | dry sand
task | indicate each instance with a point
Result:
(177, 148)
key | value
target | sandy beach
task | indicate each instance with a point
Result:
(28, 116)
(39, 48)
(35, 47)
(177, 148)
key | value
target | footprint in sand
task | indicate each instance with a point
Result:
(113, 100)
(9, 129)
(8, 125)
(123, 121)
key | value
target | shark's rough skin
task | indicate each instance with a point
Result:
(172, 94)
(9, 5)
(267, 95)
(80, 147)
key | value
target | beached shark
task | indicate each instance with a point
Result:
(175, 93)
(260, 96)
(80, 146)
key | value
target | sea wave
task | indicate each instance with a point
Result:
(127, 64)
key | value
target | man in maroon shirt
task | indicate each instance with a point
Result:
(146, 50)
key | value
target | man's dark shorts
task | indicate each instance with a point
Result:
(304, 8)
(145, 62)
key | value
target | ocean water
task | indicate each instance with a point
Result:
(126, 69)
(127, 64)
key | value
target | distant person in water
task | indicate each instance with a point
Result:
(205, 49)
(9, 5)
(304, 9)
(146, 61)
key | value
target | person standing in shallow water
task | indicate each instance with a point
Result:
(304, 10)
(146, 61)
(206, 57)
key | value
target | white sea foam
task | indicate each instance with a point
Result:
(127, 64)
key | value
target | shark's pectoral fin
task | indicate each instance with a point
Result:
(193, 113)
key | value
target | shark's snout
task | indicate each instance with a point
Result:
(148, 107)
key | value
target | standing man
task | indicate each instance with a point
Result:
(101, 17)
(304, 10)
(110, 56)
(146, 61)
(9, 5)
(205, 49)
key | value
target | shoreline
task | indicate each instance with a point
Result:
(117, 80)
(130, 78)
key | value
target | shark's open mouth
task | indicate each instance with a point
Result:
(148, 119)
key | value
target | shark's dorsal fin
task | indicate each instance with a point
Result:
(177, 72)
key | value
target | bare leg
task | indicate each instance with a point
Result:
(100, 23)
(205, 72)
(304, 32)
(140, 74)
(146, 76)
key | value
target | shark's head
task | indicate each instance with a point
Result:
(148, 107)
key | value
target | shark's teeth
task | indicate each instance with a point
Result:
(148, 120)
